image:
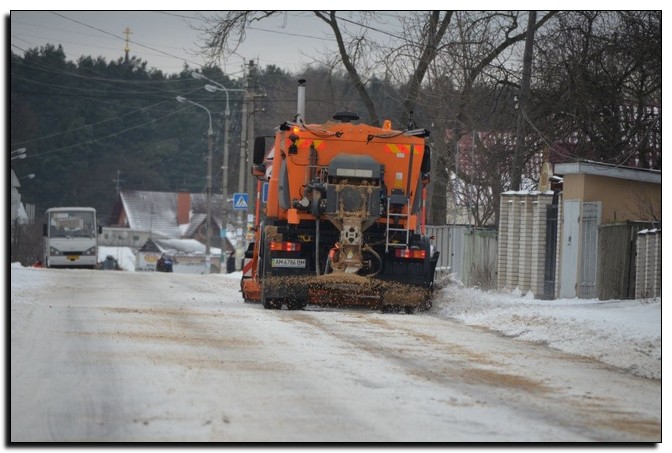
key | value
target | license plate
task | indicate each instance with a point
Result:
(288, 262)
(73, 257)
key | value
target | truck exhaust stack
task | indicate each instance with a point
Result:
(301, 100)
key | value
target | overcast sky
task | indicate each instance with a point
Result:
(168, 39)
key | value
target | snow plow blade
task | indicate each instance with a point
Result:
(344, 290)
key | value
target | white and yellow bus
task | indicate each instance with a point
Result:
(71, 238)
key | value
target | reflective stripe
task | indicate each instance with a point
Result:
(247, 267)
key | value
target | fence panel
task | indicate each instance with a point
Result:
(449, 241)
(617, 246)
(441, 241)
(480, 258)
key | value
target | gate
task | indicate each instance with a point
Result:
(551, 248)
(590, 218)
(571, 210)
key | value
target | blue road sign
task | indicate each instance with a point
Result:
(240, 201)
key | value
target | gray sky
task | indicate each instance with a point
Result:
(164, 39)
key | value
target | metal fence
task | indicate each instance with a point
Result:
(469, 254)
(617, 248)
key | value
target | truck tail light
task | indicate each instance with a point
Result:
(412, 254)
(285, 246)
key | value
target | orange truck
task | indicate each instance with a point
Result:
(344, 217)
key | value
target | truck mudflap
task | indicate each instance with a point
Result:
(343, 290)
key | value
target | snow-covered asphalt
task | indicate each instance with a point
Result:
(129, 356)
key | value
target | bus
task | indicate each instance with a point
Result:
(71, 238)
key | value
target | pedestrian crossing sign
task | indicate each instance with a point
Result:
(240, 201)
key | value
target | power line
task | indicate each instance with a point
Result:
(117, 36)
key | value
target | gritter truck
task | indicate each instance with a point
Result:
(344, 217)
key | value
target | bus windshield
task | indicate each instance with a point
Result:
(72, 224)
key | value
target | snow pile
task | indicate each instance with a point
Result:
(622, 333)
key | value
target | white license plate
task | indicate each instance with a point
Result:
(288, 262)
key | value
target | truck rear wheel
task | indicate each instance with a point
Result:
(272, 304)
(296, 305)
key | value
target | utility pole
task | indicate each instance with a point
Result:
(214, 87)
(225, 168)
(517, 170)
(250, 133)
(208, 195)
(242, 172)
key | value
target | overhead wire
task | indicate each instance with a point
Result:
(120, 37)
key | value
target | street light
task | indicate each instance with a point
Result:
(18, 154)
(212, 88)
(208, 193)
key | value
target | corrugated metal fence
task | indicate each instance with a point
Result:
(617, 250)
(467, 253)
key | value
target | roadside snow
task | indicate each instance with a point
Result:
(622, 333)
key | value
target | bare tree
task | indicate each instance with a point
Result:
(477, 54)
(600, 85)
(356, 49)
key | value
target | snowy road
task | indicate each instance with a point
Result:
(123, 356)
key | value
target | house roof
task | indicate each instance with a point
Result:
(151, 211)
(157, 211)
(149, 246)
(197, 218)
(613, 171)
(15, 179)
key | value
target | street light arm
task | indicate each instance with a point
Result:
(183, 99)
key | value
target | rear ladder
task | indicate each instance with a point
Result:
(389, 228)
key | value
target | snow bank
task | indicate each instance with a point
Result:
(622, 333)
